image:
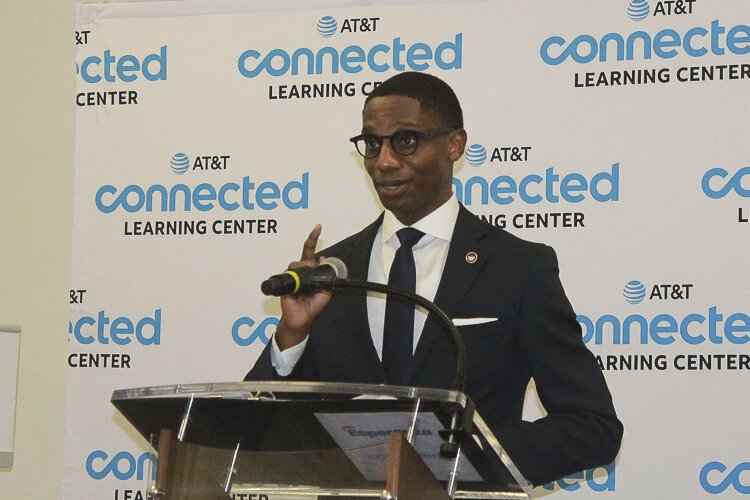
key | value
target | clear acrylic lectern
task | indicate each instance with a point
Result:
(307, 439)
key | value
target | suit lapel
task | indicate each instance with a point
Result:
(357, 259)
(467, 255)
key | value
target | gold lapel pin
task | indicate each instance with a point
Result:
(472, 257)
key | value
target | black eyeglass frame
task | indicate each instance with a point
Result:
(380, 138)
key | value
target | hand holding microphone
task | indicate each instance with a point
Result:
(299, 310)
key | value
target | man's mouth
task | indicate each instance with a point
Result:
(392, 186)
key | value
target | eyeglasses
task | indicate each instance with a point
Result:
(403, 142)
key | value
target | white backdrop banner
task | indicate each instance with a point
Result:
(212, 136)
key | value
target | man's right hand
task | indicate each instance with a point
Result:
(298, 311)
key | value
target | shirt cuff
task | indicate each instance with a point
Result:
(283, 361)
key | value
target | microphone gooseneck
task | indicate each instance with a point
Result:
(461, 420)
(332, 274)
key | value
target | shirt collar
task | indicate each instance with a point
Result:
(438, 224)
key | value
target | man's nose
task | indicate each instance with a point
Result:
(387, 158)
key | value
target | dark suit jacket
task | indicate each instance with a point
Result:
(536, 336)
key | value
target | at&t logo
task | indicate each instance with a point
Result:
(328, 26)
(477, 154)
(715, 479)
(638, 10)
(634, 292)
(180, 162)
(674, 7)
(122, 465)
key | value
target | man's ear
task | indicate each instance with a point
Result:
(456, 144)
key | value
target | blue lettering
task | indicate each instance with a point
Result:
(597, 479)
(242, 64)
(688, 42)
(123, 465)
(126, 68)
(665, 44)
(572, 183)
(611, 179)
(258, 333)
(84, 69)
(298, 190)
(603, 187)
(378, 68)
(522, 188)
(160, 61)
(120, 330)
(419, 56)
(204, 197)
(662, 329)
(689, 338)
(665, 329)
(738, 39)
(592, 49)
(319, 57)
(352, 58)
(734, 478)
(228, 205)
(736, 323)
(419, 52)
(447, 48)
(265, 194)
(544, 50)
(733, 184)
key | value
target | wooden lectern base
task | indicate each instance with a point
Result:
(408, 478)
(179, 475)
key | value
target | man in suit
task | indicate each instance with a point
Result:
(517, 323)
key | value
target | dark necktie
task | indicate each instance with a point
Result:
(398, 326)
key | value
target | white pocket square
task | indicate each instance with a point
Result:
(472, 321)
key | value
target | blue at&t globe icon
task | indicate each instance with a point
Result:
(476, 155)
(180, 163)
(634, 292)
(327, 26)
(638, 10)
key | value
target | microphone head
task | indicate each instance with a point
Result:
(338, 267)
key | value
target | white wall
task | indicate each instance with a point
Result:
(37, 86)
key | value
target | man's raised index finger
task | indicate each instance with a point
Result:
(308, 249)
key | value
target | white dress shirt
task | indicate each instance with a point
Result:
(430, 254)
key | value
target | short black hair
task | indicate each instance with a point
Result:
(432, 93)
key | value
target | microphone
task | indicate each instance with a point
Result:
(303, 279)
